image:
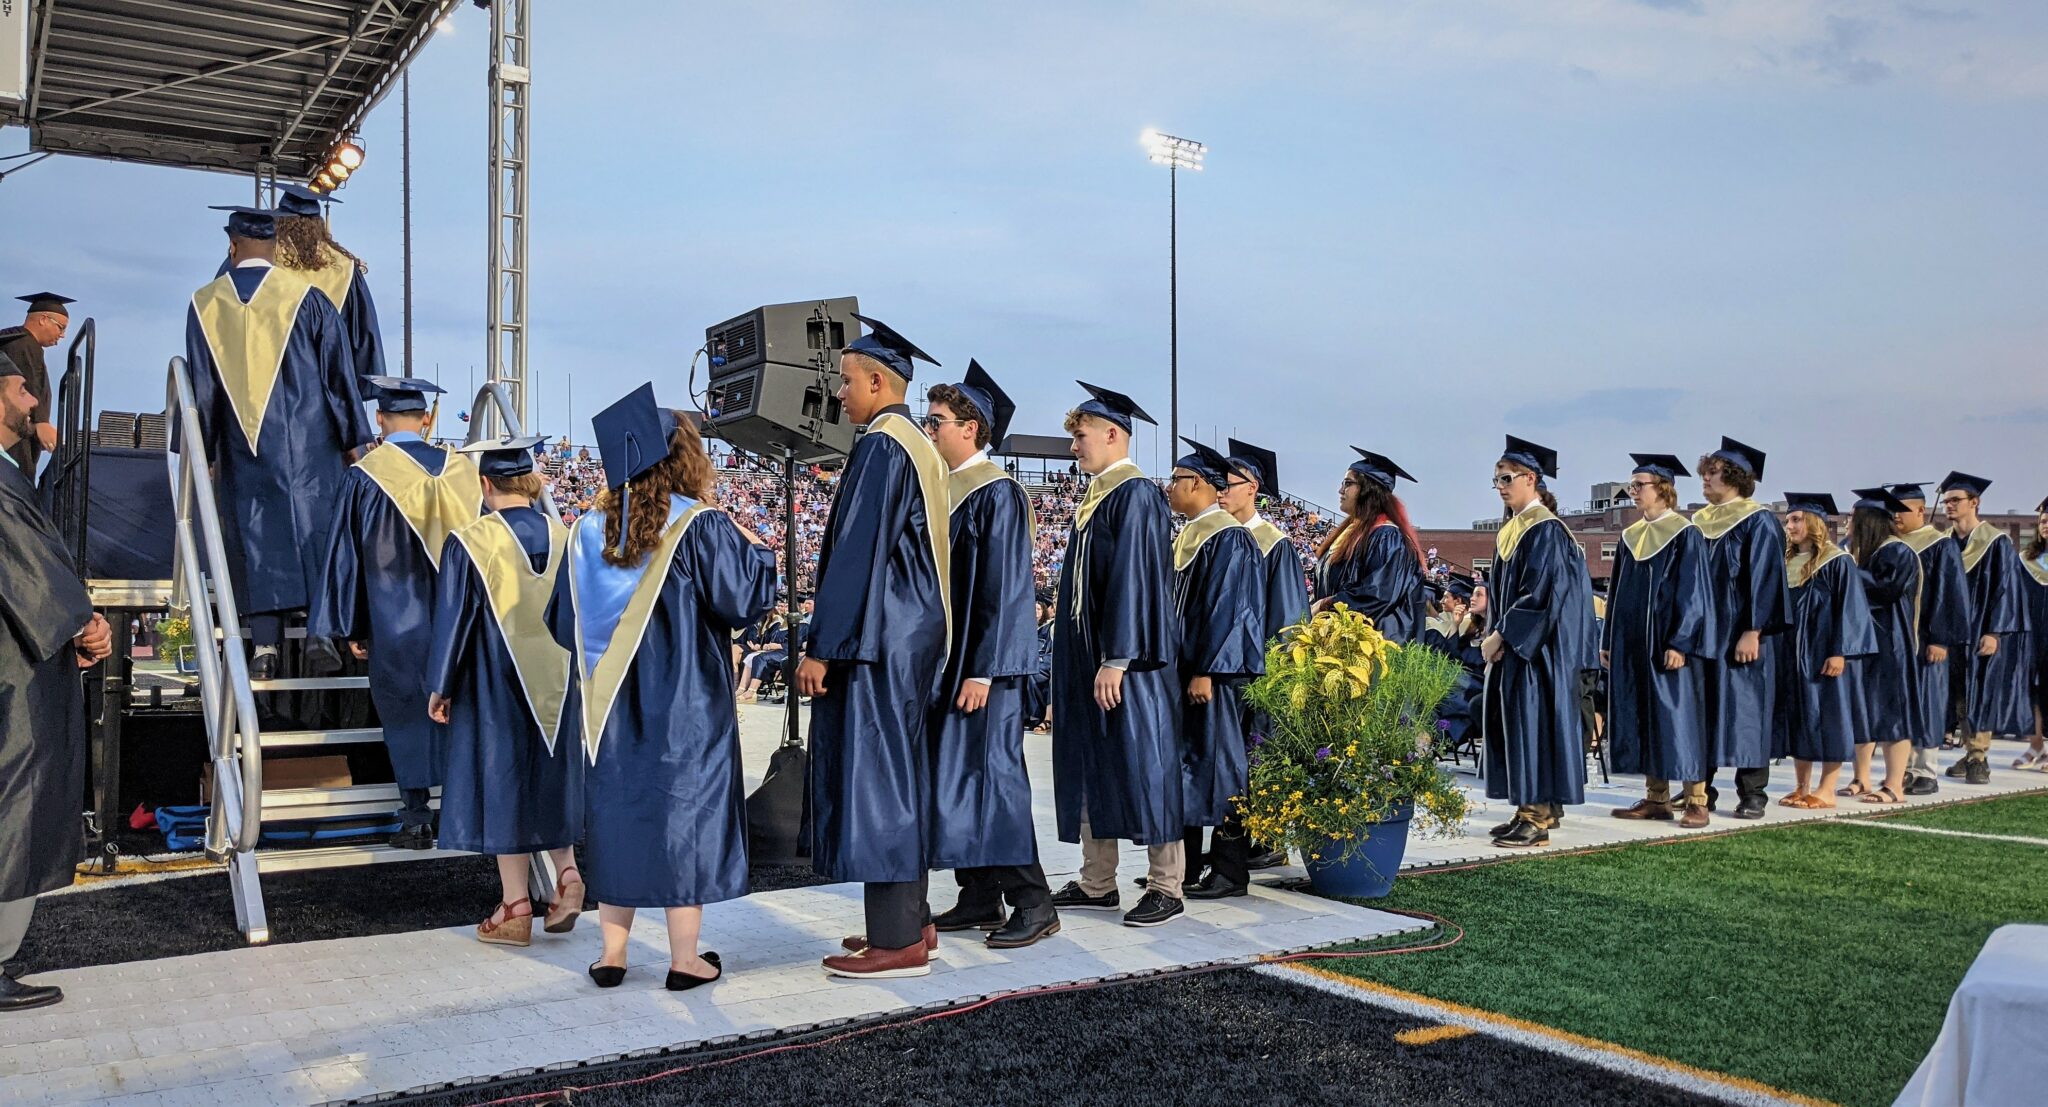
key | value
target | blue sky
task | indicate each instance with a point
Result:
(1607, 225)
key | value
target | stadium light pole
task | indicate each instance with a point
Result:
(1175, 154)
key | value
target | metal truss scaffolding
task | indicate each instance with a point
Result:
(511, 87)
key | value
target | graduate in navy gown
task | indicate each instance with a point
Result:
(1540, 610)
(656, 581)
(396, 508)
(2034, 559)
(1999, 685)
(1372, 562)
(982, 793)
(497, 680)
(879, 638)
(1116, 743)
(279, 412)
(1038, 688)
(1945, 623)
(1456, 631)
(306, 246)
(1891, 678)
(1287, 596)
(1659, 625)
(1752, 610)
(1823, 709)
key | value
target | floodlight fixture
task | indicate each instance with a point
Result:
(1172, 151)
(349, 154)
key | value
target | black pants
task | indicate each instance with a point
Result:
(1230, 851)
(896, 912)
(1023, 886)
(1748, 782)
(415, 810)
(267, 629)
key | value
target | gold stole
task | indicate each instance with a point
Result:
(973, 479)
(1979, 544)
(1197, 533)
(1921, 539)
(2039, 572)
(433, 506)
(1101, 486)
(1599, 606)
(1646, 538)
(1796, 571)
(933, 481)
(518, 599)
(1265, 534)
(1511, 532)
(601, 683)
(335, 279)
(1715, 520)
(248, 341)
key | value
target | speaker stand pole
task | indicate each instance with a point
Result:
(794, 615)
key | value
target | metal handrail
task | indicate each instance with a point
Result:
(494, 394)
(229, 703)
(71, 469)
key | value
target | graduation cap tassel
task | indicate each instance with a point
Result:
(625, 514)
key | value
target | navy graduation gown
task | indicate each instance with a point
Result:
(664, 799)
(1656, 717)
(1122, 768)
(1038, 686)
(980, 789)
(347, 287)
(1541, 602)
(2035, 582)
(277, 497)
(1891, 676)
(880, 621)
(1746, 575)
(377, 587)
(1821, 718)
(2000, 695)
(42, 704)
(1286, 582)
(1381, 580)
(508, 786)
(1219, 599)
(1458, 716)
(1946, 621)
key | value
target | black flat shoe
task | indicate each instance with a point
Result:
(1071, 895)
(1217, 887)
(1027, 926)
(609, 976)
(966, 916)
(16, 996)
(683, 982)
(413, 837)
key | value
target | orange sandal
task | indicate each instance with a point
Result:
(516, 930)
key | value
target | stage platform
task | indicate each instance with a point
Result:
(361, 1018)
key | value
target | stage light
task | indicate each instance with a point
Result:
(349, 154)
(445, 25)
(324, 181)
(338, 171)
(1172, 152)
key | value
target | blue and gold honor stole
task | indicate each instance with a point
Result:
(2038, 569)
(518, 600)
(1798, 571)
(1715, 520)
(1979, 544)
(1099, 488)
(1265, 534)
(934, 482)
(1646, 538)
(1196, 534)
(248, 341)
(335, 278)
(613, 604)
(434, 507)
(1510, 534)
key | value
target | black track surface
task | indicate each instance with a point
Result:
(195, 914)
(1232, 1039)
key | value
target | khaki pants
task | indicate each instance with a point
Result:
(1659, 790)
(1166, 865)
(1978, 743)
(1544, 816)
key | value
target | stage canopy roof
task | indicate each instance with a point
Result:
(214, 84)
(1047, 446)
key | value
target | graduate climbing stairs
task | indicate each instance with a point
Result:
(235, 738)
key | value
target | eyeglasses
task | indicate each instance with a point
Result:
(1951, 501)
(1179, 477)
(1642, 484)
(1502, 480)
(933, 422)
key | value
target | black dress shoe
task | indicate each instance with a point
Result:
(1027, 926)
(1713, 798)
(1977, 769)
(1071, 895)
(1217, 886)
(1270, 860)
(263, 666)
(16, 996)
(965, 916)
(1523, 835)
(13, 969)
(1749, 807)
(610, 976)
(1504, 827)
(683, 982)
(414, 837)
(1923, 786)
(1156, 908)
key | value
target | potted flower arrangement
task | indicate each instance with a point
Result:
(1345, 757)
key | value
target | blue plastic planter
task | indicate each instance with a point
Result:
(1369, 872)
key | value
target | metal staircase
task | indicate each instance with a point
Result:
(200, 589)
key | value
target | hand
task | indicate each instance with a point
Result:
(1987, 645)
(361, 650)
(1320, 606)
(1833, 667)
(1201, 690)
(1936, 654)
(1749, 647)
(47, 435)
(437, 707)
(96, 639)
(1493, 647)
(810, 677)
(973, 696)
(1605, 661)
(1109, 688)
(1673, 661)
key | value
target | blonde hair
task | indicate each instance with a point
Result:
(1817, 536)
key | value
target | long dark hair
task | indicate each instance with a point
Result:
(1869, 527)
(1374, 502)
(2037, 546)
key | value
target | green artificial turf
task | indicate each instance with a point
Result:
(1816, 958)
(2024, 816)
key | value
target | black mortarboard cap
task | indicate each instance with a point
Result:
(47, 301)
(1813, 503)
(632, 435)
(2041, 509)
(8, 368)
(1258, 463)
(886, 346)
(1458, 586)
(1528, 454)
(1878, 499)
(1206, 461)
(1913, 490)
(1380, 469)
(1975, 485)
(298, 200)
(245, 222)
(1748, 457)
(398, 395)
(504, 457)
(1667, 466)
(1046, 597)
(1112, 405)
(995, 406)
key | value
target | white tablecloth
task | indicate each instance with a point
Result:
(1993, 1048)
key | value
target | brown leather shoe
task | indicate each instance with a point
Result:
(1645, 809)
(880, 964)
(1695, 816)
(858, 942)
